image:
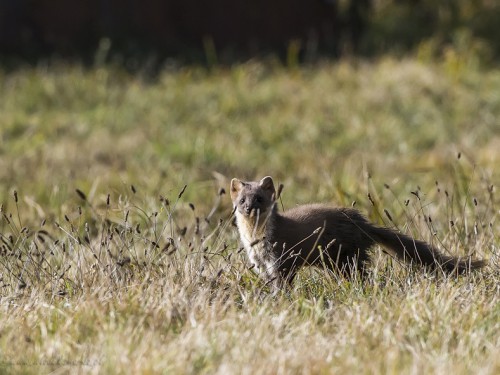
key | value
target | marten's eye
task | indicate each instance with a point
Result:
(242, 200)
(259, 199)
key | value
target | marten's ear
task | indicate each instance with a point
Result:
(236, 186)
(267, 184)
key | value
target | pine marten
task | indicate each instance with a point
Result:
(278, 244)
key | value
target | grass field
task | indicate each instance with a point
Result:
(118, 253)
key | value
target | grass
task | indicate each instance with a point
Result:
(126, 275)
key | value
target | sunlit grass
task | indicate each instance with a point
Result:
(109, 265)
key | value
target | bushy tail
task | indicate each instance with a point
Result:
(419, 252)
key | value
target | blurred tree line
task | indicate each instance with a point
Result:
(228, 30)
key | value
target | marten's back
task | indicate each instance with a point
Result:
(339, 224)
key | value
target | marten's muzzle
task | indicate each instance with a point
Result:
(252, 211)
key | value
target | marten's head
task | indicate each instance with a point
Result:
(253, 198)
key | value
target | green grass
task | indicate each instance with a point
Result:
(128, 277)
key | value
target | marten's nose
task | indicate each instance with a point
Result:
(251, 210)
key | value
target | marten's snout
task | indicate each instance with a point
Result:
(247, 209)
(251, 210)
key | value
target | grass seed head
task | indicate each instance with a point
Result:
(388, 215)
(371, 199)
(182, 192)
(81, 194)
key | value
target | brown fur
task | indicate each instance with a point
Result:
(278, 244)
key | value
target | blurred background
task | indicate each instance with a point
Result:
(225, 31)
(102, 94)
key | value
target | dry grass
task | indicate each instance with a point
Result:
(126, 275)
